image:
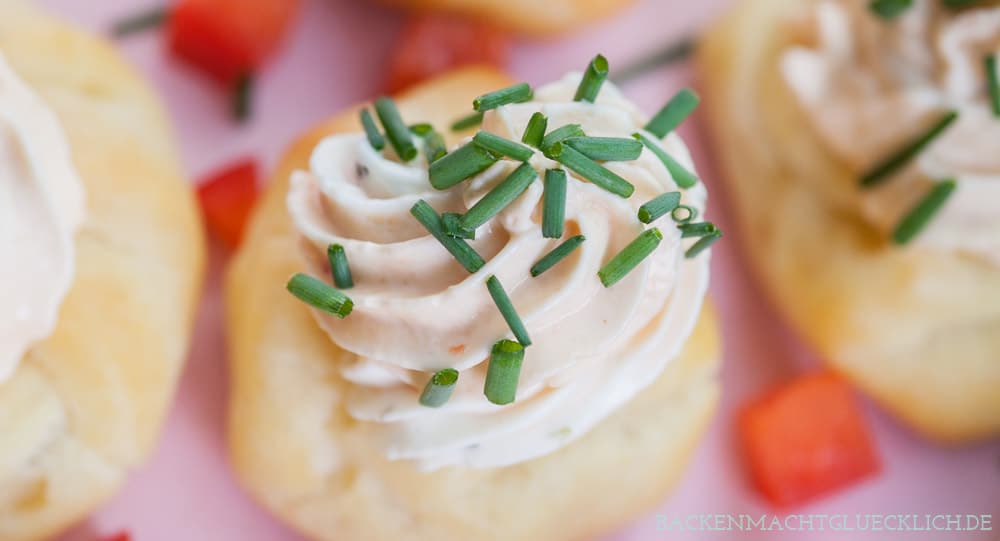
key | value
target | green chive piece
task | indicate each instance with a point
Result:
(507, 310)
(319, 295)
(339, 268)
(503, 372)
(396, 131)
(690, 213)
(673, 113)
(467, 122)
(434, 146)
(607, 149)
(453, 227)
(518, 93)
(672, 53)
(242, 104)
(465, 254)
(465, 162)
(593, 79)
(499, 197)
(702, 244)
(700, 229)
(918, 218)
(421, 129)
(630, 257)
(439, 388)
(561, 134)
(557, 254)
(658, 207)
(993, 79)
(554, 206)
(503, 147)
(535, 131)
(897, 160)
(375, 138)
(685, 179)
(140, 22)
(889, 9)
(958, 4)
(596, 173)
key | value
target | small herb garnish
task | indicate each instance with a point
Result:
(534, 132)
(630, 257)
(339, 268)
(499, 197)
(503, 147)
(596, 173)
(607, 149)
(467, 122)
(673, 113)
(434, 146)
(453, 227)
(561, 134)
(465, 162)
(439, 388)
(375, 138)
(518, 93)
(396, 131)
(658, 207)
(503, 372)
(702, 244)
(700, 229)
(897, 160)
(464, 253)
(993, 80)
(889, 9)
(685, 179)
(917, 219)
(140, 22)
(320, 295)
(557, 254)
(554, 204)
(507, 310)
(683, 214)
(593, 78)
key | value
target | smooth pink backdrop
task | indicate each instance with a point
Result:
(336, 58)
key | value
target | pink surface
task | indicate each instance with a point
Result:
(187, 492)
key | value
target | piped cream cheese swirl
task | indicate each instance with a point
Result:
(869, 85)
(418, 311)
(41, 207)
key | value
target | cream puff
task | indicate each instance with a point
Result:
(861, 145)
(101, 266)
(503, 324)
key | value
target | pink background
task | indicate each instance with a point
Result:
(335, 58)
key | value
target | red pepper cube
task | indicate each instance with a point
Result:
(806, 438)
(227, 198)
(229, 38)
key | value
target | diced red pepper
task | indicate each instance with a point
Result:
(120, 536)
(227, 198)
(229, 38)
(432, 44)
(806, 438)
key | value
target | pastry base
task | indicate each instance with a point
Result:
(917, 329)
(85, 405)
(306, 460)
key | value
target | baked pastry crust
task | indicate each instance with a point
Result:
(917, 329)
(303, 457)
(86, 404)
(542, 19)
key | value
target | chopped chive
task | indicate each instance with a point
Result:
(503, 372)
(554, 206)
(561, 134)
(607, 149)
(684, 178)
(421, 129)
(453, 228)
(243, 98)
(918, 218)
(674, 52)
(503, 147)
(993, 79)
(319, 295)
(897, 160)
(375, 138)
(339, 268)
(535, 130)
(658, 207)
(439, 388)
(593, 79)
(690, 213)
(140, 22)
(630, 257)
(557, 254)
(396, 131)
(507, 310)
(434, 146)
(467, 122)
(889, 9)
(673, 113)
(464, 253)
(465, 162)
(499, 197)
(596, 173)
(518, 93)
(702, 244)
(700, 229)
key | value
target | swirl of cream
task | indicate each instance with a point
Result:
(869, 85)
(41, 207)
(418, 311)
